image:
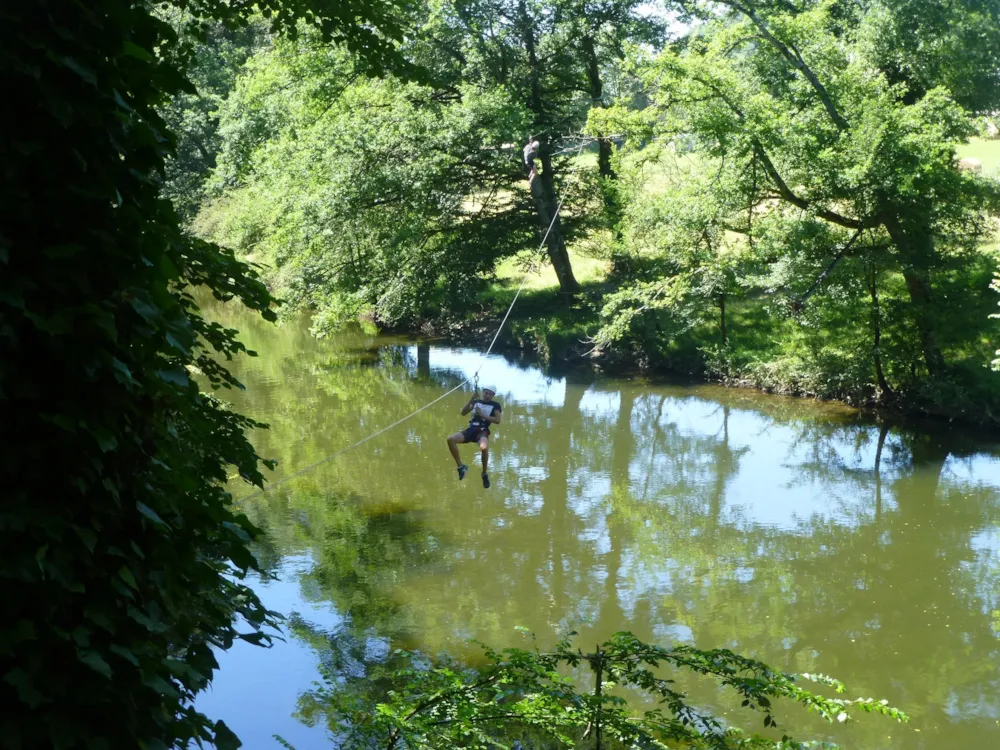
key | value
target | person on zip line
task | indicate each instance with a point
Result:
(485, 411)
(530, 153)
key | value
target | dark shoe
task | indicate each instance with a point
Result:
(486, 480)
(461, 472)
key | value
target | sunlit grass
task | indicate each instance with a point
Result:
(988, 154)
(588, 270)
(986, 151)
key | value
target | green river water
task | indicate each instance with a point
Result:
(799, 533)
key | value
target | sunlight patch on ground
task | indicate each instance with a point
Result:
(585, 268)
(986, 151)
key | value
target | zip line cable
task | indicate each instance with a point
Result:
(475, 377)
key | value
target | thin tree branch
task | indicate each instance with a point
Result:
(800, 303)
(792, 55)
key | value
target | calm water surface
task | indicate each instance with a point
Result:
(795, 532)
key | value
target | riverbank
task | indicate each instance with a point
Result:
(544, 328)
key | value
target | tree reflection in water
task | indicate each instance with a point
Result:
(798, 533)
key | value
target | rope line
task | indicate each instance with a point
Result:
(475, 377)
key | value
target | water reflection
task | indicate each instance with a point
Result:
(791, 531)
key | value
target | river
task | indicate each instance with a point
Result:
(800, 533)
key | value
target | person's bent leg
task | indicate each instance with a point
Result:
(453, 443)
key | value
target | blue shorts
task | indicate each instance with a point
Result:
(472, 434)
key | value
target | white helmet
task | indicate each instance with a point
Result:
(491, 388)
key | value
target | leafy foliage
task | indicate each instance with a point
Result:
(827, 165)
(374, 197)
(534, 693)
(216, 56)
(123, 556)
(394, 200)
(814, 194)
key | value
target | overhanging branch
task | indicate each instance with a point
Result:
(789, 195)
(790, 53)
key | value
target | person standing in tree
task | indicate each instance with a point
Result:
(485, 411)
(530, 152)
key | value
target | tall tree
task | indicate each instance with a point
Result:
(846, 133)
(371, 197)
(599, 32)
(529, 23)
(217, 54)
(122, 555)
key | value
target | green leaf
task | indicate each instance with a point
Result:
(62, 251)
(225, 739)
(126, 575)
(83, 71)
(95, 661)
(61, 420)
(175, 375)
(154, 626)
(256, 639)
(87, 536)
(25, 686)
(238, 530)
(105, 439)
(124, 653)
(121, 102)
(160, 685)
(172, 340)
(122, 369)
(149, 513)
(168, 267)
(146, 309)
(134, 50)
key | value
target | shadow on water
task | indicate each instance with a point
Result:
(807, 535)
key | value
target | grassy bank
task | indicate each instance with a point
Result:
(763, 352)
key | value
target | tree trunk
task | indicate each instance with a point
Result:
(882, 432)
(883, 384)
(556, 517)
(543, 191)
(596, 100)
(611, 615)
(915, 249)
(612, 209)
(918, 284)
(543, 188)
(424, 361)
(528, 36)
(722, 319)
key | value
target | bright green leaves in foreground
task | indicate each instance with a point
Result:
(524, 695)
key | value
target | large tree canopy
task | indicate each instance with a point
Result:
(819, 151)
(365, 196)
(397, 199)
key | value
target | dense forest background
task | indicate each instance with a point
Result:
(767, 193)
